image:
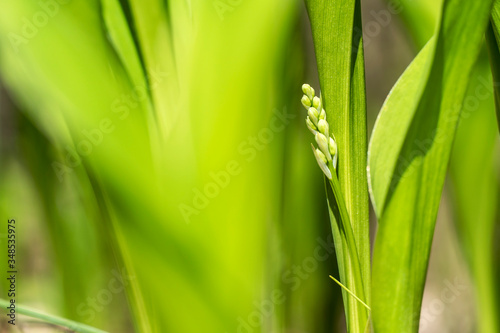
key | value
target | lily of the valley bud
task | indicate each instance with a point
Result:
(323, 127)
(333, 147)
(333, 151)
(316, 102)
(311, 126)
(306, 101)
(308, 90)
(313, 114)
(322, 142)
(322, 162)
(322, 114)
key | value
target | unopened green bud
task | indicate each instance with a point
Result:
(316, 102)
(332, 147)
(322, 142)
(334, 151)
(323, 127)
(322, 162)
(322, 114)
(306, 101)
(321, 156)
(311, 126)
(308, 90)
(313, 114)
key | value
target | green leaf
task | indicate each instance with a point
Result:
(337, 35)
(347, 257)
(493, 43)
(419, 17)
(123, 41)
(408, 156)
(476, 192)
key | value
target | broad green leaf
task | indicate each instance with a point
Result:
(408, 156)
(475, 190)
(337, 35)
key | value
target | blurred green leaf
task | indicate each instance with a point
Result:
(167, 141)
(122, 38)
(493, 43)
(420, 17)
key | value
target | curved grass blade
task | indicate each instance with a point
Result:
(351, 293)
(58, 321)
(408, 156)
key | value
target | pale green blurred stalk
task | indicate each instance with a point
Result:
(475, 194)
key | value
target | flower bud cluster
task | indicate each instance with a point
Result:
(326, 153)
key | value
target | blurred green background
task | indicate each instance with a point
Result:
(155, 158)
